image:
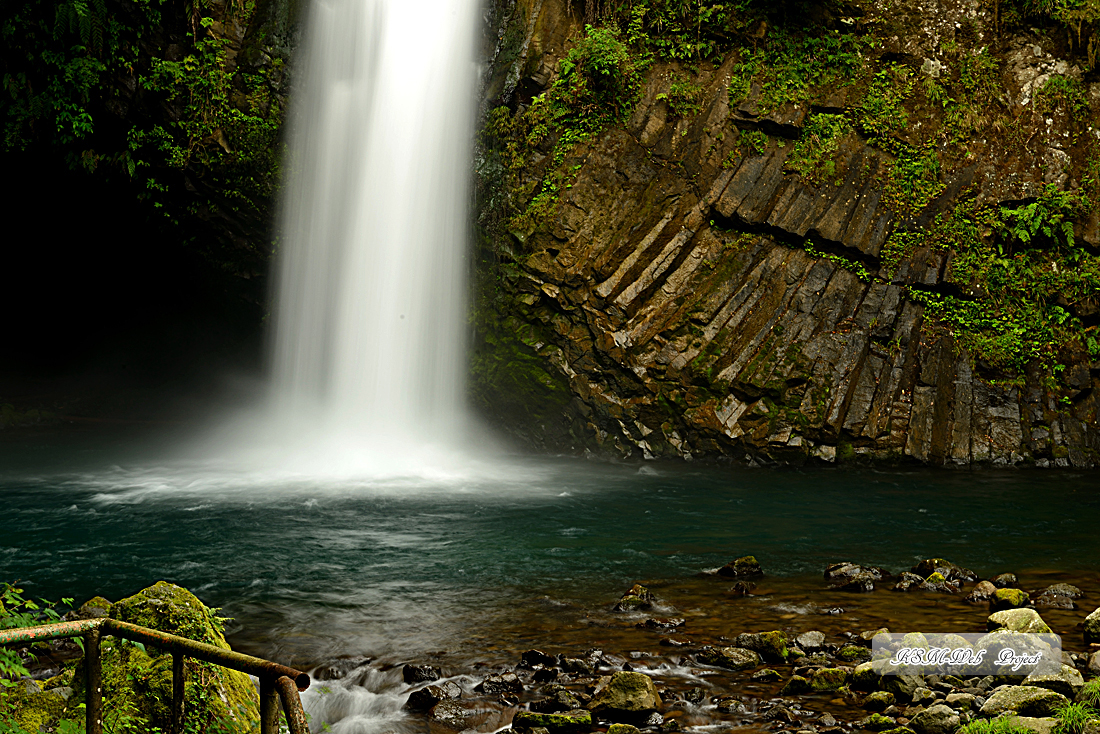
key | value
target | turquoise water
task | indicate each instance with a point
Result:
(311, 568)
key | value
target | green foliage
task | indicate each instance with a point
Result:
(914, 177)
(599, 83)
(752, 141)
(1063, 94)
(1090, 694)
(1016, 269)
(91, 81)
(814, 155)
(999, 725)
(18, 611)
(684, 97)
(790, 67)
(851, 265)
(965, 96)
(684, 31)
(881, 112)
(1073, 718)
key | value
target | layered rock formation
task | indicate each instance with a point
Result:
(692, 296)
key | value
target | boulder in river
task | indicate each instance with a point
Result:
(829, 679)
(412, 674)
(795, 685)
(861, 583)
(908, 580)
(811, 641)
(743, 566)
(981, 592)
(628, 696)
(936, 719)
(425, 698)
(637, 598)
(742, 588)
(1017, 620)
(504, 683)
(939, 583)
(1007, 599)
(878, 701)
(1023, 700)
(1058, 596)
(554, 722)
(1005, 581)
(866, 677)
(772, 645)
(1094, 664)
(949, 570)
(1092, 627)
(1067, 681)
(730, 658)
(661, 624)
(847, 570)
(536, 658)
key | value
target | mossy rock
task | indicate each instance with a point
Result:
(772, 645)
(34, 708)
(564, 721)
(627, 696)
(829, 679)
(795, 685)
(137, 679)
(1018, 620)
(1007, 599)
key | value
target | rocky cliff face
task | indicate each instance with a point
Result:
(764, 276)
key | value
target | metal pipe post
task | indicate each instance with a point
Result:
(269, 706)
(93, 696)
(292, 706)
(177, 692)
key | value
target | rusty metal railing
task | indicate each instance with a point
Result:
(277, 682)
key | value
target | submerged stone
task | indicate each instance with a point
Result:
(637, 598)
(744, 566)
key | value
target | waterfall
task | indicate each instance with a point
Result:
(370, 310)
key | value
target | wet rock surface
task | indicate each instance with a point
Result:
(684, 299)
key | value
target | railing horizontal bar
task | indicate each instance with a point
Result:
(48, 631)
(202, 651)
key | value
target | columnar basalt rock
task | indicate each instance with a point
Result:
(692, 296)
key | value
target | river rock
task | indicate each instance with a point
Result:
(661, 624)
(623, 729)
(730, 705)
(453, 715)
(811, 641)
(536, 658)
(339, 668)
(420, 673)
(1059, 596)
(771, 645)
(1005, 581)
(730, 658)
(637, 598)
(1093, 665)
(902, 686)
(908, 580)
(795, 685)
(939, 583)
(576, 666)
(842, 571)
(1023, 700)
(1007, 599)
(877, 722)
(1092, 627)
(861, 583)
(1067, 681)
(627, 697)
(878, 701)
(949, 570)
(504, 683)
(563, 721)
(981, 592)
(424, 698)
(1017, 620)
(829, 679)
(742, 588)
(936, 719)
(767, 675)
(561, 699)
(866, 677)
(1038, 726)
(744, 566)
(780, 714)
(962, 701)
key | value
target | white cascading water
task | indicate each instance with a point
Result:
(370, 317)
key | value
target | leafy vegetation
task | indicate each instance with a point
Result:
(684, 97)
(598, 84)
(145, 98)
(1020, 272)
(814, 155)
(1074, 718)
(999, 725)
